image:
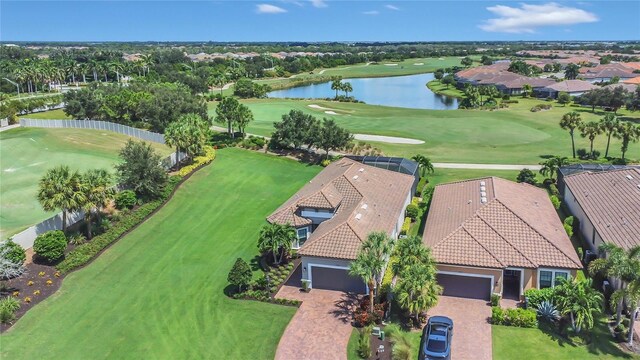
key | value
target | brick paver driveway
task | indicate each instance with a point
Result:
(471, 329)
(321, 327)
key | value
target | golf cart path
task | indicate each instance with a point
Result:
(436, 165)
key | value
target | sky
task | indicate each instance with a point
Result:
(318, 20)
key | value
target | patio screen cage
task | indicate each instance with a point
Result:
(396, 164)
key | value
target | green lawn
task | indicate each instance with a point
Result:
(532, 344)
(158, 292)
(26, 154)
(57, 114)
(511, 136)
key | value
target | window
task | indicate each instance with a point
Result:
(548, 278)
(303, 235)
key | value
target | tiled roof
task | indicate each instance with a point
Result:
(496, 223)
(572, 86)
(634, 81)
(611, 201)
(365, 199)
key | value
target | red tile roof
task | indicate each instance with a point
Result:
(611, 201)
(496, 223)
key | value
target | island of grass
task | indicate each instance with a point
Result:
(26, 155)
(441, 89)
(159, 292)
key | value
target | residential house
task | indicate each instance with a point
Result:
(492, 235)
(606, 205)
(605, 73)
(335, 212)
(572, 87)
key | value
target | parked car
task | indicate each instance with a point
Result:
(436, 339)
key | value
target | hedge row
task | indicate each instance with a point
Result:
(198, 161)
(85, 252)
(406, 225)
(514, 317)
(262, 296)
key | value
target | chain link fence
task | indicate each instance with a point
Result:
(95, 125)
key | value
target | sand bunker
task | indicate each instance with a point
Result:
(387, 139)
(390, 64)
(418, 64)
(331, 112)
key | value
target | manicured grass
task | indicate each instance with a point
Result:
(352, 346)
(26, 155)
(510, 136)
(437, 87)
(57, 114)
(158, 292)
(521, 343)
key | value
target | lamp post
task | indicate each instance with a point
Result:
(15, 84)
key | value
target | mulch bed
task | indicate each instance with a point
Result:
(375, 345)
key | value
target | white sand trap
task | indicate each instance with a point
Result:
(10, 170)
(387, 139)
(390, 64)
(440, 59)
(418, 64)
(35, 164)
(331, 112)
(32, 139)
(314, 106)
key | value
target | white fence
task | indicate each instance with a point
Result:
(95, 125)
(28, 236)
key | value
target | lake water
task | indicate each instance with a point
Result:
(400, 91)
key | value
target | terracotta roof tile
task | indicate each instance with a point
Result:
(611, 200)
(516, 225)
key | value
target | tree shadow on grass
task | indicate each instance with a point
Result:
(255, 263)
(546, 156)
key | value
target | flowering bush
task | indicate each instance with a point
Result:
(57, 274)
(27, 299)
(405, 226)
(37, 292)
(30, 283)
(41, 273)
(49, 282)
(16, 293)
(209, 156)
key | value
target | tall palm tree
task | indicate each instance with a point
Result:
(628, 133)
(409, 252)
(417, 290)
(336, 84)
(347, 88)
(98, 190)
(371, 260)
(580, 301)
(609, 123)
(632, 295)
(550, 167)
(94, 66)
(61, 189)
(116, 67)
(424, 163)
(72, 68)
(147, 61)
(621, 265)
(590, 130)
(570, 121)
(526, 90)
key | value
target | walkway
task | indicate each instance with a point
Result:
(321, 327)
(471, 328)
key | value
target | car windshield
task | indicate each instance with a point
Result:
(438, 329)
(436, 345)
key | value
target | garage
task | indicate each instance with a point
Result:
(335, 279)
(473, 287)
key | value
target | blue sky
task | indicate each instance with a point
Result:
(318, 20)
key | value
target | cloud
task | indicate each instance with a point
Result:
(318, 3)
(527, 18)
(391, 7)
(371, 12)
(269, 9)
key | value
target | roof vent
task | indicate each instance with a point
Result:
(361, 169)
(483, 194)
(355, 177)
(364, 206)
(638, 186)
(483, 200)
(482, 183)
(629, 177)
(483, 188)
(358, 216)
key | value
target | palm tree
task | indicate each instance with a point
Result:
(624, 266)
(98, 190)
(590, 130)
(72, 68)
(609, 123)
(632, 295)
(526, 90)
(627, 132)
(243, 117)
(147, 61)
(346, 87)
(579, 300)
(550, 167)
(274, 237)
(336, 85)
(116, 67)
(409, 252)
(571, 71)
(94, 66)
(424, 163)
(417, 290)
(371, 260)
(61, 189)
(570, 121)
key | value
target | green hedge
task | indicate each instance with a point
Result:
(514, 317)
(536, 296)
(85, 252)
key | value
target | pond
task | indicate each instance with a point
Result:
(399, 91)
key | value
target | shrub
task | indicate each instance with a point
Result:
(421, 184)
(50, 245)
(553, 189)
(568, 229)
(10, 303)
(13, 252)
(77, 239)
(240, 274)
(547, 312)
(126, 199)
(85, 252)
(540, 107)
(198, 161)
(569, 220)
(526, 176)
(513, 317)
(6, 315)
(495, 299)
(555, 201)
(412, 211)
(535, 297)
(364, 342)
(405, 226)
(325, 162)
(497, 315)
